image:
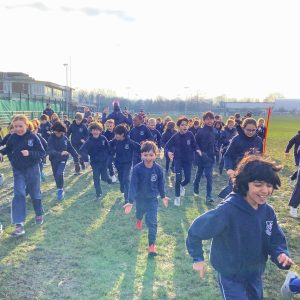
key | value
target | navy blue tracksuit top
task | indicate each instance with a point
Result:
(140, 134)
(205, 139)
(294, 141)
(238, 147)
(16, 143)
(45, 129)
(242, 238)
(160, 128)
(156, 137)
(124, 150)
(146, 183)
(77, 132)
(166, 137)
(57, 145)
(96, 148)
(183, 146)
(109, 135)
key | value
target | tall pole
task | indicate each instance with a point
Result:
(66, 91)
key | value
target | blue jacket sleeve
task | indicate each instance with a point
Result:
(70, 130)
(170, 145)
(50, 149)
(205, 227)
(148, 134)
(133, 186)
(277, 244)
(228, 156)
(136, 146)
(161, 184)
(85, 148)
(290, 144)
(159, 144)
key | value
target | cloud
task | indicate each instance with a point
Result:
(37, 5)
(88, 11)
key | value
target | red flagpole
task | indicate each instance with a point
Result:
(267, 130)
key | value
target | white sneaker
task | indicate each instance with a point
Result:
(294, 212)
(177, 201)
(293, 183)
(285, 289)
(113, 179)
(182, 191)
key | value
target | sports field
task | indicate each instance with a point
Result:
(85, 250)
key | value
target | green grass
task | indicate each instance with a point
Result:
(85, 250)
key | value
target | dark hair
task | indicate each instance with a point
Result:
(252, 168)
(208, 115)
(182, 119)
(237, 115)
(248, 121)
(120, 129)
(219, 123)
(96, 125)
(59, 127)
(196, 122)
(149, 146)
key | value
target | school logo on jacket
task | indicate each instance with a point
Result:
(30, 143)
(269, 225)
(188, 142)
(80, 129)
(126, 146)
(142, 132)
(155, 136)
(153, 177)
(103, 143)
(66, 143)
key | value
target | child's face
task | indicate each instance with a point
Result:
(183, 127)
(59, 134)
(261, 123)
(250, 130)
(110, 126)
(119, 137)
(65, 118)
(230, 125)
(209, 122)
(151, 125)
(20, 127)
(96, 133)
(196, 126)
(78, 121)
(258, 193)
(158, 121)
(148, 157)
(137, 121)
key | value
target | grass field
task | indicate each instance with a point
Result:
(85, 250)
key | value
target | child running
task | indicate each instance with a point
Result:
(97, 148)
(181, 147)
(123, 149)
(59, 149)
(24, 150)
(244, 232)
(147, 182)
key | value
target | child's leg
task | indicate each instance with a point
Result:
(126, 180)
(110, 166)
(208, 171)
(199, 173)
(34, 187)
(295, 285)
(187, 170)
(60, 174)
(178, 171)
(140, 210)
(295, 198)
(151, 221)
(103, 172)
(167, 163)
(54, 166)
(96, 178)
(18, 206)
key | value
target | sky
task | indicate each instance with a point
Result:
(155, 48)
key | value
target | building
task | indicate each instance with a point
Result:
(20, 85)
(257, 108)
(287, 106)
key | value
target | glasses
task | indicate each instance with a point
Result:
(250, 130)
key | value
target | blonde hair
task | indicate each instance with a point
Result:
(230, 121)
(152, 120)
(79, 116)
(110, 121)
(21, 118)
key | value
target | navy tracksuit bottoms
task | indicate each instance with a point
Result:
(58, 169)
(124, 177)
(149, 209)
(100, 171)
(185, 166)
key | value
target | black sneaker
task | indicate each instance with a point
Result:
(18, 231)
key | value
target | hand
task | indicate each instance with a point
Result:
(287, 155)
(105, 110)
(127, 208)
(171, 155)
(1, 157)
(49, 132)
(25, 152)
(230, 172)
(199, 152)
(86, 164)
(166, 201)
(64, 153)
(82, 141)
(284, 260)
(200, 267)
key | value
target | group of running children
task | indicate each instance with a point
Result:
(243, 228)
